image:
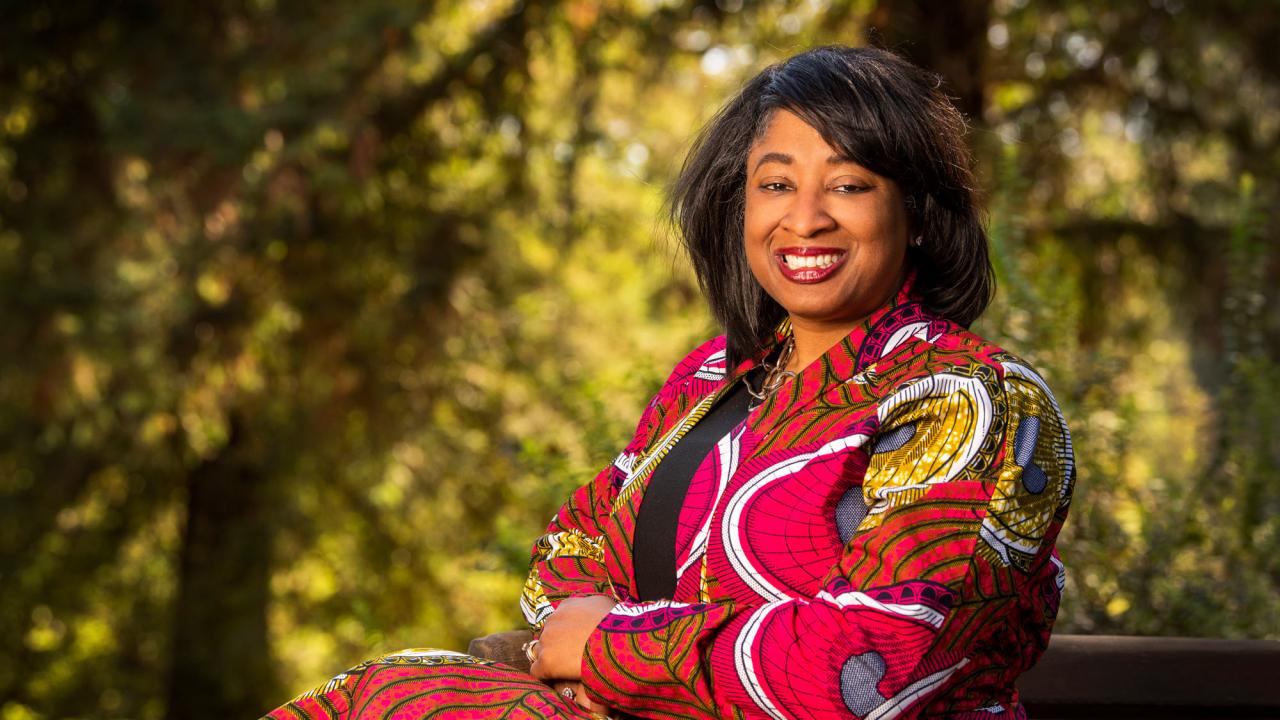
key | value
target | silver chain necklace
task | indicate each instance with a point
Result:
(775, 373)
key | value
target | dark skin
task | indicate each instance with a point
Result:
(800, 194)
(563, 640)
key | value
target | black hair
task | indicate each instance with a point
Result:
(885, 114)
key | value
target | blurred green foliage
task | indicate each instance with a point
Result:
(314, 313)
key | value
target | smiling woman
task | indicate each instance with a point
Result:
(846, 505)
(825, 237)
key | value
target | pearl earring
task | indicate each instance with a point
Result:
(917, 240)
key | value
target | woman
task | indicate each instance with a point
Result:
(846, 506)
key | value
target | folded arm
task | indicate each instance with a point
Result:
(967, 481)
(569, 559)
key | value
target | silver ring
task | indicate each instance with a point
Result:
(568, 693)
(528, 650)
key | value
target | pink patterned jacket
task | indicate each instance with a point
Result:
(875, 541)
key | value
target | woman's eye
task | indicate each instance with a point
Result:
(774, 186)
(851, 188)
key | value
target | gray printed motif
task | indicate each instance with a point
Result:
(859, 678)
(1025, 439)
(850, 512)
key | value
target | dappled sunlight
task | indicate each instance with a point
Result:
(316, 315)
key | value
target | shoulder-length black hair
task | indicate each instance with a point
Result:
(889, 116)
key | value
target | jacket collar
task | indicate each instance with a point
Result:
(856, 353)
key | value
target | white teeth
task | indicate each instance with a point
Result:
(800, 262)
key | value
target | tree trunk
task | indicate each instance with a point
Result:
(221, 665)
(945, 36)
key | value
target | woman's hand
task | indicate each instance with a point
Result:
(563, 639)
(577, 694)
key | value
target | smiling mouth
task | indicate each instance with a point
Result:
(809, 264)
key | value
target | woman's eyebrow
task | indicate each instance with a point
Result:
(786, 159)
(783, 158)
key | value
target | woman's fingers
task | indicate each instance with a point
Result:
(573, 691)
(568, 689)
(564, 636)
(590, 705)
(533, 651)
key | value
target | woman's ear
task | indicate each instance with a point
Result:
(915, 214)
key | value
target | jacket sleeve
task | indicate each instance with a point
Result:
(950, 576)
(569, 558)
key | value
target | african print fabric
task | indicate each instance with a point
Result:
(874, 541)
(431, 683)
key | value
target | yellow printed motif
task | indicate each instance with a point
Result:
(534, 602)
(413, 656)
(570, 543)
(936, 430)
(1035, 475)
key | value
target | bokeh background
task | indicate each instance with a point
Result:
(312, 313)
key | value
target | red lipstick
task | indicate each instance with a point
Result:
(825, 261)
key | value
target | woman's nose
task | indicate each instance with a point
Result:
(807, 215)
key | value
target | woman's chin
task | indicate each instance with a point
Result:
(814, 315)
(816, 304)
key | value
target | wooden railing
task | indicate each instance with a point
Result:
(1118, 676)
(1110, 677)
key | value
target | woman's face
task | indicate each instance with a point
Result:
(825, 237)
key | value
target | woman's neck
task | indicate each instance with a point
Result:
(814, 338)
